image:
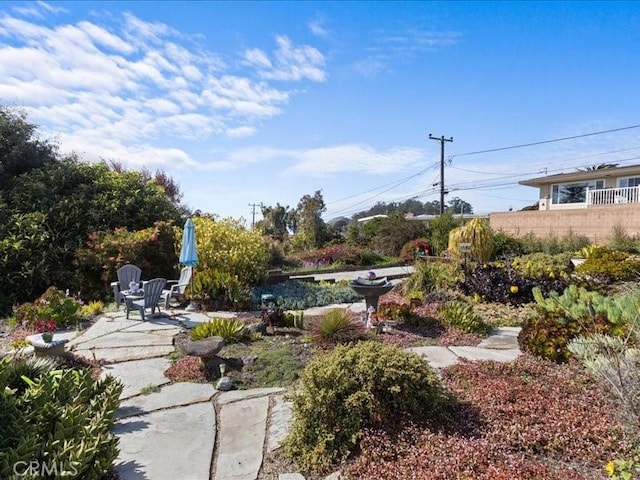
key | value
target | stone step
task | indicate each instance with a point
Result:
(242, 433)
(173, 443)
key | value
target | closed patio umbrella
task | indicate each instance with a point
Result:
(188, 252)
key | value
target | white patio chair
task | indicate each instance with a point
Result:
(177, 287)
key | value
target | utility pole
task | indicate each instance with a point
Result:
(253, 212)
(442, 190)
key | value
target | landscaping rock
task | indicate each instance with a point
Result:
(258, 327)
(224, 384)
(205, 348)
(249, 359)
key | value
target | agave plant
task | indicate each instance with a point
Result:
(231, 330)
(13, 371)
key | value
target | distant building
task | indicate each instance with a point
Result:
(366, 219)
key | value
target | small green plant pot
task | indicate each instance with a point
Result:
(47, 337)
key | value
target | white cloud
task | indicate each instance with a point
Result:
(414, 41)
(51, 8)
(103, 37)
(257, 58)
(113, 87)
(139, 31)
(320, 162)
(290, 63)
(240, 132)
(402, 45)
(356, 158)
(317, 29)
(372, 66)
(38, 9)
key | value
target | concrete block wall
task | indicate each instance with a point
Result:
(596, 222)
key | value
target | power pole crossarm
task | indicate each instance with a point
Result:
(441, 139)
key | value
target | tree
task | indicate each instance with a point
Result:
(275, 220)
(458, 206)
(432, 207)
(310, 226)
(439, 229)
(599, 166)
(50, 206)
(393, 232)
(20, 149)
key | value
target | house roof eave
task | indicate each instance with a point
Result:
(581, 175)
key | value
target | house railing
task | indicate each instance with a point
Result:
(609, 196)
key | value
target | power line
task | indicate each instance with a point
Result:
(393, 185)
(396, 182)
(499, 177)
(546, 141)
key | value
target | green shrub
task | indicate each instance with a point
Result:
(439, 229)
(339, 255)
(624, 242)
(543, 265)
(152, 249)
(400, 312)
(432, 275)
(230, 248)
(366, 385)
(231, 330)
(553, 245)
(336, 327)
(605, 266)
(62, 417)
(219, 290)
(92, 309)
(460, 315)
(51, 305)
(504, 245)
(558, 319)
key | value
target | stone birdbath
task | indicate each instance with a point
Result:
(51, 345)
(207, 349)
(371, 289)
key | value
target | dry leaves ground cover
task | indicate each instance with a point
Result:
(521, 420)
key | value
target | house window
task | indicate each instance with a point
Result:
(628, 182)
(562, 193)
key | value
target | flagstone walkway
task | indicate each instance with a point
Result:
(191, 431)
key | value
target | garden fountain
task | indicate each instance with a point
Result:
(371, 289)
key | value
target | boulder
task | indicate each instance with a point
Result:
(249, 359)
(205, 348)
(258, 327)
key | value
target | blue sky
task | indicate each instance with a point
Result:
(263, 102)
